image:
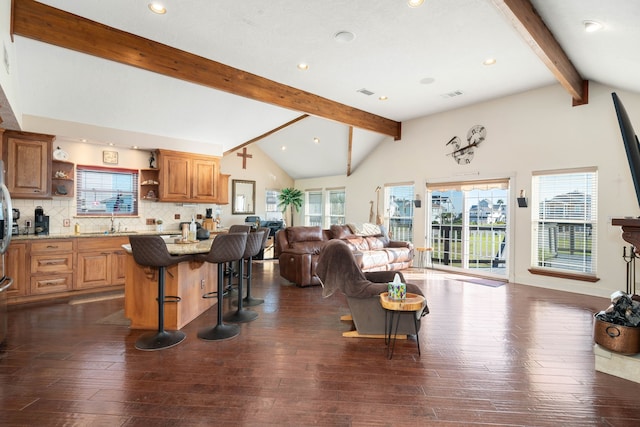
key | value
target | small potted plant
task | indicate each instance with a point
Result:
(159, 226)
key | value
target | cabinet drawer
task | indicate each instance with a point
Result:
(52, 246)
(51, 284)
(62, 263)
(98, 243)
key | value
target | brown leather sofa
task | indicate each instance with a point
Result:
(298, 249)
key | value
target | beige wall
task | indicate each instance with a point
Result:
(259, 168)
(536, 130)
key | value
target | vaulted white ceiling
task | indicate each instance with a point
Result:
(425, 60)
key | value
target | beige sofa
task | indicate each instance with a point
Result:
(298, 249)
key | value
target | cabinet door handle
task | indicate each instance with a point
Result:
(52, 247)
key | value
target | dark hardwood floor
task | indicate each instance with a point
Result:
(507, 356)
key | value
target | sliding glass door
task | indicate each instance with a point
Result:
(469, 225)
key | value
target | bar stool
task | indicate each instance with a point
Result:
(151, 251)
(254, 243)
(229, 270)
(225, 248)
(249, 301)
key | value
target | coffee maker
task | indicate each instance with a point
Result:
(41, 222)
(15, 229)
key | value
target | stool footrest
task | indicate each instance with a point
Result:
(172, 298)
(213, 294)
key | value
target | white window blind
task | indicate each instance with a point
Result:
(336, 206)
(564, 213)
(313, 208)
(106, 191)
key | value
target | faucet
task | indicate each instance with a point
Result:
(113, 229)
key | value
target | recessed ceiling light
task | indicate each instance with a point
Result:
(489, 61)
(382, 98)
(302, 66)
(135, 147)
(344, 36)
(427, 80)
(316, 140)
(111, 144)
(415, 3)
(592, 26)
(157, 7)
(284, 147)
(83, 140)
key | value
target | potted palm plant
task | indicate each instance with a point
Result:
(290, 197)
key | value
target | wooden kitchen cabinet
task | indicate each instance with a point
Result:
(27, 158)
(52, 263)
(186, 177)
(15, 260)
(101, 262)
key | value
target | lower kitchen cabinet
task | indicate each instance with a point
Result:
(15, 260)
(51, 267)
(45, 269)
(100, 262)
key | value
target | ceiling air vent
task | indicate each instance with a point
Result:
(365, 92)
(452, 94)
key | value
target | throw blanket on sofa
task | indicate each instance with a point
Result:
(338, 271)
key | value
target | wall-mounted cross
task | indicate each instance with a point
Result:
(244, 156)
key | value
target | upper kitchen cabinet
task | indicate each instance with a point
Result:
(27, 158)
(186, 177)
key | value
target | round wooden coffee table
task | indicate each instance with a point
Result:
(393, 309)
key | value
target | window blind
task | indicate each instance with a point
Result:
(106, 191)
(564, 218)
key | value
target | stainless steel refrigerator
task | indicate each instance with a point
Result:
(6, 224)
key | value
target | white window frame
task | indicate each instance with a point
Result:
(564, 217)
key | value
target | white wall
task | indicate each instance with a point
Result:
(536, 130)
(259, 168)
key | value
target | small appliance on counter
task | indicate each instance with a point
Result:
(41, 222)
(15, 228)
(208, 223)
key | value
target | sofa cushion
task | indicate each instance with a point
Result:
(303, 234)
(311, 246)
(340, 231)
(365, 229)
(375, 243)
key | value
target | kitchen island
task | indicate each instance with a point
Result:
(188, 280)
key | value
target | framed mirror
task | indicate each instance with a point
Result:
(243, 197)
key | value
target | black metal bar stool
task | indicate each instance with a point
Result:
(225, 248)
(254, 243)
(250, 301)
(151, 251)
(230, 270)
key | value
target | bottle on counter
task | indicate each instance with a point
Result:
(192, 229)
(185, 232)
(76, 228)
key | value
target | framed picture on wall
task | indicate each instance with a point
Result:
(110, 157)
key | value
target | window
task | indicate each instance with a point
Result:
(272, 211)
(106, 191)
(469, 225)
(324, 207)
(564, 216)
(398, 209)
(336, 206)
(313, 208)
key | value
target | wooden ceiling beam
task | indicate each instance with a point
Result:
(46, 24)
(350, 150)
(535, 32)
(266, 134)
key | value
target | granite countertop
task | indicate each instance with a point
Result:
(98, 234)
(198, 247)
(92, 234)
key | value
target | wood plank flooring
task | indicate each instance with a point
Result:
(507, 356)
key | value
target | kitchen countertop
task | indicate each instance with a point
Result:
(93, 234)
(191, 248)
(103, 234)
